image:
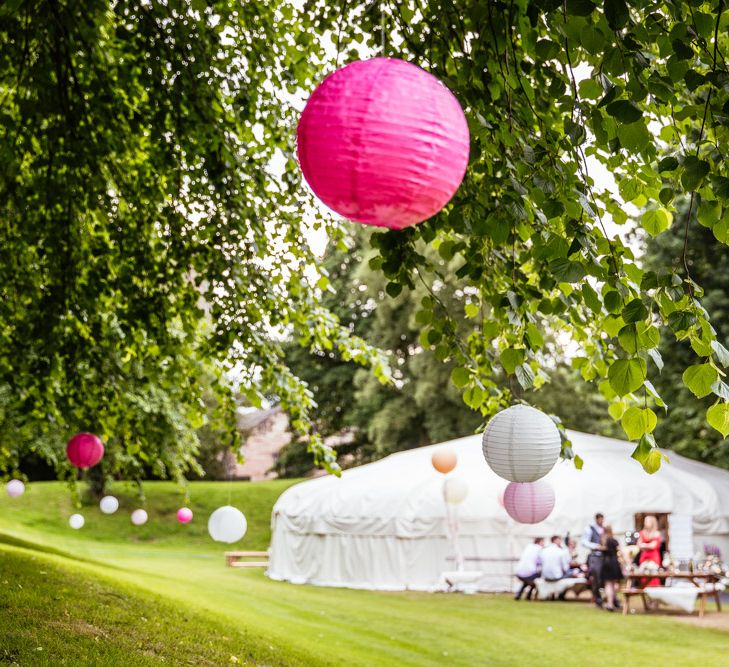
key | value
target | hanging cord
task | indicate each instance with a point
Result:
(382, 29)
(230, 482)
(339, 36)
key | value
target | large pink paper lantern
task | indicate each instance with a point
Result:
(383, 142)
(529, 502)
(85, 450)
(184, 515)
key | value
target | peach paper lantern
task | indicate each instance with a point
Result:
(530, 502)
(444, 460)
(85, 450)
(383, 142)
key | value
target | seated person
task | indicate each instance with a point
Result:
(528, 568)
(555, 560)
(576, 568)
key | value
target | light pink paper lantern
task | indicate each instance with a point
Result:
(85, 450)
(15, 488)
(383, 142)
(184, 515)
(139, 517)
(529, 502)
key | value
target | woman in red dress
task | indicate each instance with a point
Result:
(649, 543)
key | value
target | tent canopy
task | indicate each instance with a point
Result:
(384, 525)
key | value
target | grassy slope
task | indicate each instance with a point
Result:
(338, 626)
(52, 615)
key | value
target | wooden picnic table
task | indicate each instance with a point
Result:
(636, 585)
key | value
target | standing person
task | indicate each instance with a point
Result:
(611, 573)
(555, 560)
(649, 543)
(591, 540)
(529, 567)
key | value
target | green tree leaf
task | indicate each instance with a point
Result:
(460, 377)
(718, 418)
(652, 462)
(694, 172)
(700, 378)
(656, 221)
(637, 422)
(510, 359)
(627, 375)
(635, 311)
(625, 111)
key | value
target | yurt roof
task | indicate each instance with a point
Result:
(402, 493)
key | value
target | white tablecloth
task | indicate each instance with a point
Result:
(682, 594)
(547, 588)
(683, 597)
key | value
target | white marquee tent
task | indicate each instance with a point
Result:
(383, 525)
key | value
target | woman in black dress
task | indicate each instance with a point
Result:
(612, 573)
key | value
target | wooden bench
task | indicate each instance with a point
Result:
(701, 595)
(235, 558)
(628, 593)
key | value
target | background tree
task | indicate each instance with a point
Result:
(547, 85)
(419, 408)
(152, 208)
(686, 431)
(148, 240)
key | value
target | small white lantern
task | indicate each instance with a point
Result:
(109, 505)
(139, 517)
(227, 524)
(76, 521)
(521, 444)
(15, 488)
(455, 490)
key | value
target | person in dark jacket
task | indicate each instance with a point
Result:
(592, 540)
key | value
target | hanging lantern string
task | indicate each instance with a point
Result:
(230, 482)
(339, 34)
(382, 28)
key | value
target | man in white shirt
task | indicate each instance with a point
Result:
(529, 567)
(555, 560)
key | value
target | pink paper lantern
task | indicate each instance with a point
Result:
(85, 450)
(383, 142)
(184, 515)
(15, 488)
(529, 502)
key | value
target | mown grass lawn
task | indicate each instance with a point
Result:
(302, 624)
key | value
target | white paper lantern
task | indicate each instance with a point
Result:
(521, 444)
(139, 517)
(227, 524)
(109, 505)
(15, 488)
(76, 521)
(455, 490)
